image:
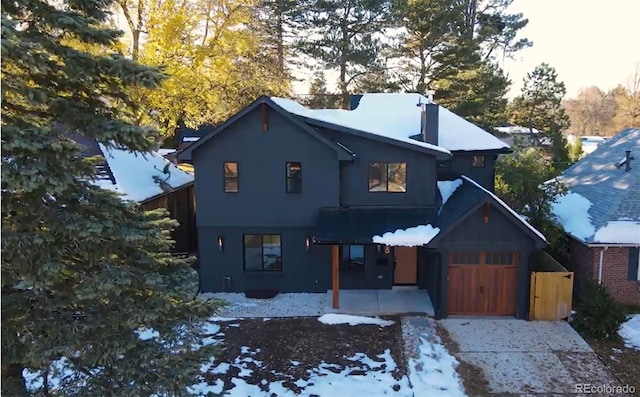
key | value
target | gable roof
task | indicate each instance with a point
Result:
(342, 152)
(468, 198)
(348, 122)
(139, 177)
(397, 116)
(603, 204)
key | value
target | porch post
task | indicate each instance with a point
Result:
(335, 271)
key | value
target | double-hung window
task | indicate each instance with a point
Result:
(231, 180)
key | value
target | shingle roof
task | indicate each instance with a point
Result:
(613, 192)
(359, 225)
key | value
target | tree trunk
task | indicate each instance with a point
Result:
(135, 44)
(12, 381)
(280, 49)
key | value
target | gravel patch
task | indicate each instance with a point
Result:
(282, 305)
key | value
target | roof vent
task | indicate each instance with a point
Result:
(626, 161)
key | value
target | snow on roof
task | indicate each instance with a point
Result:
(397, 116)
(620, 232)
(139, 175)
(356, 120)
(165, 151)
(503, 204)
(410, 237)
(572, 212)
(447, 188)
(612, 190)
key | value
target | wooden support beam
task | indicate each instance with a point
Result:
(486, 212)
(335, 272)
(265, 118)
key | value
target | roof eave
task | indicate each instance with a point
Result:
(157, 196)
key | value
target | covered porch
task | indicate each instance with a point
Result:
(377, 302)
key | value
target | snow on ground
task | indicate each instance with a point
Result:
(630, 332)
(620, 232)
(282, 305)
(333, 318)
(410, 237)
(431, 369)
(396, 116)
(447, 188)
(572, 211)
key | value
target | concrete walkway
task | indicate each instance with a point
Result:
(381, 302)
(527, 357)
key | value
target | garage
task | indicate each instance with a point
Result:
(482, 283)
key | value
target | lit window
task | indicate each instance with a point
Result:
(294, 177)
(230, 170)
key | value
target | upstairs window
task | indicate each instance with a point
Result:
(294, 177)
(388, 177)
(478, 161)
(230, 170)
(353, 257)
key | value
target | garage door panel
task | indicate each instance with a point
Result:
(485, 288)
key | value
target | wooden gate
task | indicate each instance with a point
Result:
(551, 294)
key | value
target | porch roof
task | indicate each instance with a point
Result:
(359, 225)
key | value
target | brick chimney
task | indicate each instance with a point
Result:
(429, 123)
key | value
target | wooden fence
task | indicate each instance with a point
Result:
(551, 294)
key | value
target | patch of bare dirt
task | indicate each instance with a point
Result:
(287, 349)
(623, 362)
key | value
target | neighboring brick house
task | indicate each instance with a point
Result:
(601, 214)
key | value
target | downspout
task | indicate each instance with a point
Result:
(600, 264)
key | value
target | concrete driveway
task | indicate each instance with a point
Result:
(527, 357)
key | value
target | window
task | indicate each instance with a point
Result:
(634, 264)
(353, 257)
(230, 177)
(478, 161)
(262, 252)
(294, 177)
(465, 258)
(388, 177)
(500, 258)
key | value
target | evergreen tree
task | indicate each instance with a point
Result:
(82, 270)
(477, 94)
(319, 95)
(540, 107)
(346, 35)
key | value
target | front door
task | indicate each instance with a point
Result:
(406, 266)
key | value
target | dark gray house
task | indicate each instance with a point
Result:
(396, 191)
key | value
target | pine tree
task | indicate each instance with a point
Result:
(540, 107)
(82, 270)
(319, 95)
(346, 35)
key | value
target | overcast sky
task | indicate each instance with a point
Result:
(589, 42)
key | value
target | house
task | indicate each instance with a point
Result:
(149, 180)
(188, 136)
(396, 191)
(601, 214)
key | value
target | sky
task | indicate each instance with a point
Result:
(589, 42)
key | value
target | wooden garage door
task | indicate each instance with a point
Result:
(482, 283)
